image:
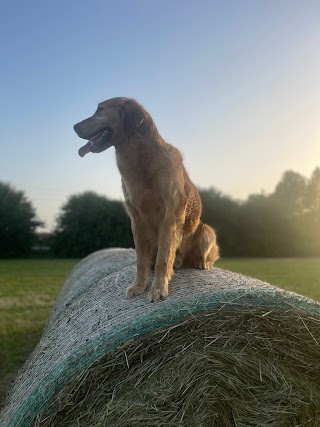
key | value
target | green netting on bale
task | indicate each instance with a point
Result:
(248, 350)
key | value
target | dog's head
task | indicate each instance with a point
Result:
(115, 122)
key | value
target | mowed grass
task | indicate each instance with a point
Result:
(300, 275)
(29, 288)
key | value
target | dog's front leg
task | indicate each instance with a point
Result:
(144, 254)
(167, 245)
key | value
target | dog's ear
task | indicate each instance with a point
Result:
(133, 115)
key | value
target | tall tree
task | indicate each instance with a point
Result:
(222, 213)
(290, 192)
(312, 193)
(17, 222)
(265, 230)
(89, 222)
(310, 221)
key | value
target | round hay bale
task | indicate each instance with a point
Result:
(222, 350)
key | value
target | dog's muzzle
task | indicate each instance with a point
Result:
(98, 142)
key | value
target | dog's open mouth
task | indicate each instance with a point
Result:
(97, 143)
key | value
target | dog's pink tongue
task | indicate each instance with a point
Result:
(85, 149)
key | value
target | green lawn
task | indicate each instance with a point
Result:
(28, 289)
(300, 275)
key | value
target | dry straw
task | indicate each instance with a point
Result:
(223, 350)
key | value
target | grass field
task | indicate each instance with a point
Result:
(28, 289)
(300, 275)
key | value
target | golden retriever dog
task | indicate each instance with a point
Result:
(163, 204)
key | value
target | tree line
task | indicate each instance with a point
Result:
(282, 224)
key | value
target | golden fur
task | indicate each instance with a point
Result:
(162, 202)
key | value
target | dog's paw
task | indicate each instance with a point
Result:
(203, 265)
(207, 265)
(134, 290)
(157, 293)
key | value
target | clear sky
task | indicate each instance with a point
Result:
(234, 84)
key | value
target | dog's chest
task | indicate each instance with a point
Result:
(139, 194)
(141, 189)
(135, 179)
(147, 203)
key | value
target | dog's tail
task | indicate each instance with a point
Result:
(201, 249)
(208, 245)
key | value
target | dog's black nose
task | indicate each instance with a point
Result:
(78, 128)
